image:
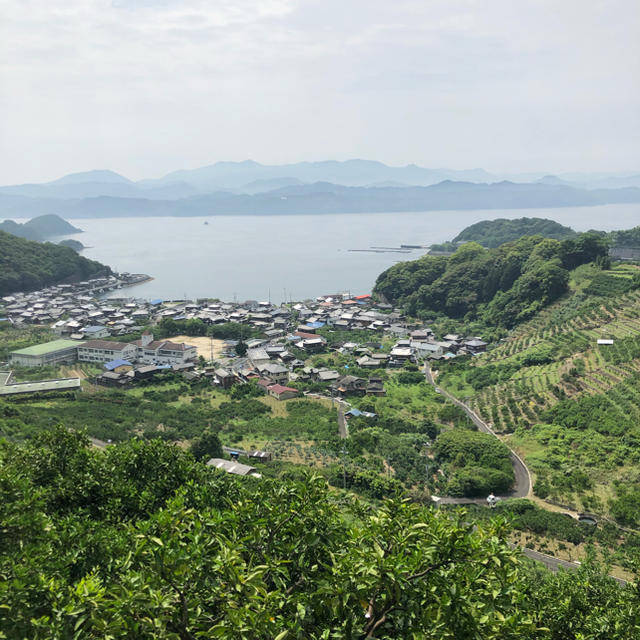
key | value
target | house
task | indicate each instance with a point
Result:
(350, 385)
(367, 362)
(258, 355)
(281, 392)
(118, 366)
(185, 366)
(263, 456)
(399, 355)
(476, 345)
(275, 350)
(381, 358)
(164, 351)
(275, 372)
(231, 466)
(325, 375)
(427, 349)
(113, 379)
(397, 331)
(312, 345)
(95, 332)
(144, 373)
(224, 378)
(604, 341)
(375, 387)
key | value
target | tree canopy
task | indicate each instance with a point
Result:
(493, 233)
(501, 286)
(141, 541)
(27, 265)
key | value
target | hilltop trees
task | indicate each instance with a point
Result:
(501, 286)
(27, 265)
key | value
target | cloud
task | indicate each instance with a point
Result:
(145, 86)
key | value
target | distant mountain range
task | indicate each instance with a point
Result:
(323, 197)
(308, 187)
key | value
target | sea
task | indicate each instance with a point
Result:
(291, 257)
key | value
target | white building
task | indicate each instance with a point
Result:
(164, 351)
(106, 350)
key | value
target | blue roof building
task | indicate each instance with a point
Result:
(114, 364)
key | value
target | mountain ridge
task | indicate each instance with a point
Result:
(325, 197)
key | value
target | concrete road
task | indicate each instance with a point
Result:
(553, 563)
(522, 484)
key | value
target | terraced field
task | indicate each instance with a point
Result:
(569, 405)
(572, 336)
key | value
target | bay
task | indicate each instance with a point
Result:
(297, 256)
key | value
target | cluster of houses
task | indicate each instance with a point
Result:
(83, 324)
(75, 303)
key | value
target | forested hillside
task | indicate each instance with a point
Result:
(501, 287)
(626, 238)
(493, 233)
(27, 265)
(140, 541)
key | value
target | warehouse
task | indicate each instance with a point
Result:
(49, 353)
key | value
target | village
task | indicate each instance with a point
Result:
(86, 329)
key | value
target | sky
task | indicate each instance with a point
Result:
(144, 87)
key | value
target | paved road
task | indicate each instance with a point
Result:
(554, 563)
(522, 484)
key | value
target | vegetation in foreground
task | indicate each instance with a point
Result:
(141, 541)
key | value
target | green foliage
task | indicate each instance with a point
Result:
(410, 377)
(206, 446)
(596, 411)
(606, 285)
(196, 327)
(625, 507)
(502, 286)
(477, 463)
(626, 238)
(493, 233)
(140, 541)
(249, 390)
(27, 265)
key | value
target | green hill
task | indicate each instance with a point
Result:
(493, 233)
(27, 265)
(40, 228)
(501, 287)
(72, 244)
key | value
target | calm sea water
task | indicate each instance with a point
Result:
(252, 257)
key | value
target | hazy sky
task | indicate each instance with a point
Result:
(147, 86)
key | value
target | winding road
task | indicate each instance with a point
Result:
(522, 484)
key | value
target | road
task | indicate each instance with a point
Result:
(522, 484)
(554, 563)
